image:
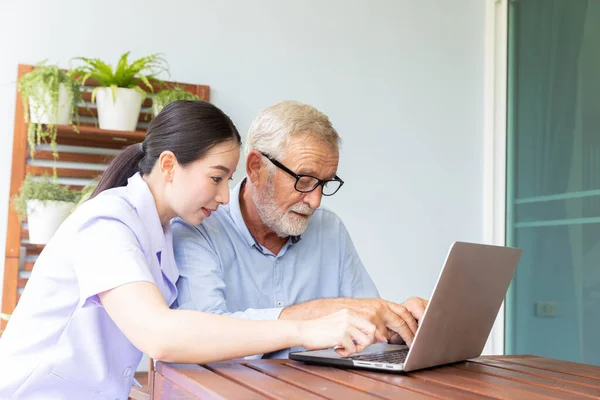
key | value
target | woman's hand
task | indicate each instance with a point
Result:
(347, 332)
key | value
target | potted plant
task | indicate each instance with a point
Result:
(119, 95)
(50, 97)
(46, 204)
(87, 191)
(166, 96)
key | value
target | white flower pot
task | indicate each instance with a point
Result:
(119, 115)
(40, 113)
(44, 218)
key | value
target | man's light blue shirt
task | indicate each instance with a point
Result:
(224, 270)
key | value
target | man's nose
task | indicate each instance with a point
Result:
(313, 199)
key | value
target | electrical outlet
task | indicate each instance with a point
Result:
(548, 309)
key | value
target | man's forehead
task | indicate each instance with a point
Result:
(307, 146)
(310, 158)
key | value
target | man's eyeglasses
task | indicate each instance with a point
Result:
(308, 183)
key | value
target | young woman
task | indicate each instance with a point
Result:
(100, 292)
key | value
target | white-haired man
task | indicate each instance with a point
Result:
(272, 252)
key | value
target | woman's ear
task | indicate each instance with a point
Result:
(167, 162)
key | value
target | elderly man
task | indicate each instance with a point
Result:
(272, 252)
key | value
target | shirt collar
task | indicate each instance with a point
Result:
(236, 214)
(238, 219)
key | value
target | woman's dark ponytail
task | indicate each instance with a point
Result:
(122, 167)
(187, 128)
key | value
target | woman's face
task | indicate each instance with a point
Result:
(200, 187)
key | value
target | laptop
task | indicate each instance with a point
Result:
(457, 321)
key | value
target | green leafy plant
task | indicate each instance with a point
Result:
(40, 89)
(166, 96)
(125, 75)
(44, 189)
(87, 191)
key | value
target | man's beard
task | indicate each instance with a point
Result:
(283, 223)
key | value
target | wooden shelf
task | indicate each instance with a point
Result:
(92, 136)
(92, 131)
(34, 249)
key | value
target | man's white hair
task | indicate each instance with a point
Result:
(273, 128)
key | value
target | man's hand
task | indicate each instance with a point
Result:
(377, 312)
(394, 323)
(416, 307)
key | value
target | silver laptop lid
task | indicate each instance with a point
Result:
(464, 304)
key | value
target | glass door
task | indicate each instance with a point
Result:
(553, 178)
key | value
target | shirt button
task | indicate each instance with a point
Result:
(127, 372)
(279, 303)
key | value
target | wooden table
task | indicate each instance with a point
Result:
(506, 377)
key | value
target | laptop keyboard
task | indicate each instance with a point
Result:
(387, 357)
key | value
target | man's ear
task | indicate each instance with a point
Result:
(254, 166)
(166, 163)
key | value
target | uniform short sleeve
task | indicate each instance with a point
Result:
(107, 255)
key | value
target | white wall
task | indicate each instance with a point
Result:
(401, 80)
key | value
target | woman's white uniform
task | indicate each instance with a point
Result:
(60, 343)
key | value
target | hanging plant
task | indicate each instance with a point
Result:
(50, 97)
(44, 190)
(46, 204)
(87, 191)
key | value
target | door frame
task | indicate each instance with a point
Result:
(494, 143)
